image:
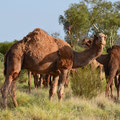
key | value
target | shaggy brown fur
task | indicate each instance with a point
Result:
(43, 54)
(111, 62)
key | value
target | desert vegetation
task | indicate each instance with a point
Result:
(36, 105)
(84, 98)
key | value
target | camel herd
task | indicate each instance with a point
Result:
(111, 64)
(43, 54)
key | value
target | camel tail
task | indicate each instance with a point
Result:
(5, 66)
(5, 63)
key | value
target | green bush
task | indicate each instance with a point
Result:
(86, 83)
(4, 46)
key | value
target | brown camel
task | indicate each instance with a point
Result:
(94, 64)
(41, 53)
(111, 63)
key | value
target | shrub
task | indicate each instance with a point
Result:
(86, 83)
(4, 46)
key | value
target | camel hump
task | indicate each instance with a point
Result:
(39, 31)
(36, 31)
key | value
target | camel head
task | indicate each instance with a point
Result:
(87, 41)
(100, 39)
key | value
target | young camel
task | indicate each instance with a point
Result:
(94, 64)
(41, 53)
(111, 63)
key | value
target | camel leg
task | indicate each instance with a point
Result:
(40, 80)
(4, 90)
(12, 92)
(117, 85)
(118, 91)
(29, 81)
(110, 80)
(111, 89)
(67, 79)
(53, 87)
(35, 80)
(47, 77)
(46, 80)
(61, 84)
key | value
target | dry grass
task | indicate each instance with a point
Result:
(36, 106)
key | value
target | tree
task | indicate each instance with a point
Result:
(75, 22)
(79, 19)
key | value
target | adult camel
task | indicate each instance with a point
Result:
(111, 63)
(41, 53)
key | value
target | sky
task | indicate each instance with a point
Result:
(19, 17)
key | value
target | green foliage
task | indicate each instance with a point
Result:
(86, 83)
(4, 46)
(78, 20)
(78, 48)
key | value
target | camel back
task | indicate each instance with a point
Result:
(47, 42)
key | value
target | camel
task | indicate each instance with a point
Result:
(111, 63)
(43, 54)
(94, 64)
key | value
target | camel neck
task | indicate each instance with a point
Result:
(83, 58)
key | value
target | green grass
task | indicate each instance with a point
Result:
(36, 106)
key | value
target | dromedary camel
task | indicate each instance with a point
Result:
(111, 63)
(94, 64)
(41, 53)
